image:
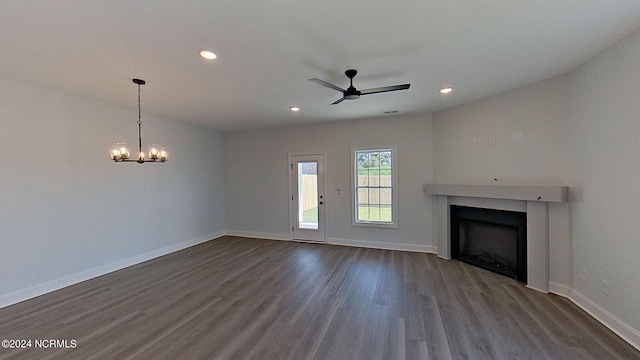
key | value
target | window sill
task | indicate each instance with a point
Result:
(375, 225)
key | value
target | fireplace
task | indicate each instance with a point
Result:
(494, 240)
(547, 220)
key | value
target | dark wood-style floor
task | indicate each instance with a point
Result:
(238, 298)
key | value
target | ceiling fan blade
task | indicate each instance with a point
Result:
(384, 89)
(338, 101)
(324, 83)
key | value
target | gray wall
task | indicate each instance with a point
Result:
(257, 183)
(537, 111)
(68, 210)
(604, 124)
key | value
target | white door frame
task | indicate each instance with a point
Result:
(292, 184)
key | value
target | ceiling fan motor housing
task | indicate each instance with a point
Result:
(351, 93)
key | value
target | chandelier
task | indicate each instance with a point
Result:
(120, 153)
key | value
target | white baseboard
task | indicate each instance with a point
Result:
(559, 289)
(615, 324)
(53, 285)
(383, 245)
(258, 235)
(536, 289)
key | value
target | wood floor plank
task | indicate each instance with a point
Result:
(242, 298)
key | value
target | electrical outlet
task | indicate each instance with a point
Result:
(584, 275)
(604, 286)
(492, 140)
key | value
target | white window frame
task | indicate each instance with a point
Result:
(394, 188)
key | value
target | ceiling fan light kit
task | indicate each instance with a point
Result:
(120, 153)
(351, 93)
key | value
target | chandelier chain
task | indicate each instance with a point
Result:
(139, 110)
(141, 157)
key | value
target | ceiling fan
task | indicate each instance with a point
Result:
(352, 93)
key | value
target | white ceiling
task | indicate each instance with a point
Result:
(267, 51)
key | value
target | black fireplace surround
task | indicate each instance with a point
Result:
(495, 240)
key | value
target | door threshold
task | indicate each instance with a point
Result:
(309, 241)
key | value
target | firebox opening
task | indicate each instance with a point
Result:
(494, 240)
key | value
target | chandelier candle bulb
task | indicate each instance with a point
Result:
(115, 154)
(119, 152)
(153, 151)
(163, 155)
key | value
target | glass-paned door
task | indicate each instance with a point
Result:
(308, 198)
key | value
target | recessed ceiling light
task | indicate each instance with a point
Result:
(446, 90)
(209, 55)
(294, 108)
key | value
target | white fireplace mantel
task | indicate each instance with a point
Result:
(535, 199)
(545, 193)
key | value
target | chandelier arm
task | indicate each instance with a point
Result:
(138, 161)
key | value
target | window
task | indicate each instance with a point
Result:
(374, 187)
